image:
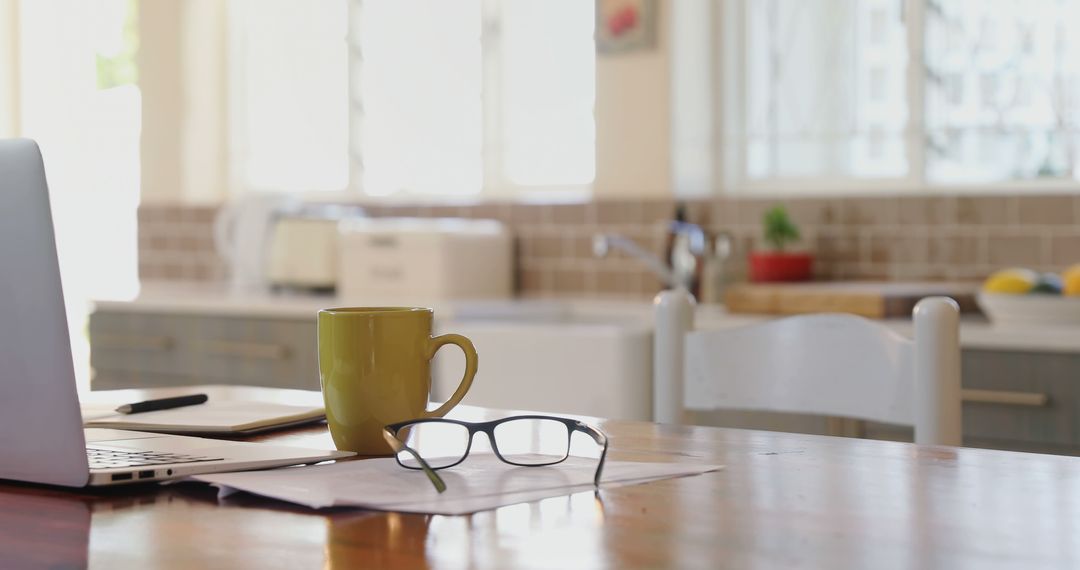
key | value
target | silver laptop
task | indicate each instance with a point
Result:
(41, 435)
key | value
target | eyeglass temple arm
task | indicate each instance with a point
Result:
(398, 447)
(601, 440)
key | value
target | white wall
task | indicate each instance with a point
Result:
(9, 68)
(633, 118)
(182, 79)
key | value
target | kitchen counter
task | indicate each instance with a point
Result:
(165, 298)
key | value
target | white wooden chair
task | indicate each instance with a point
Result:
(825, 364)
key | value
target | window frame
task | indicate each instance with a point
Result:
(495, 185)
(733, 179)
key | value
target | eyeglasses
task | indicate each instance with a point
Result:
(527, 441)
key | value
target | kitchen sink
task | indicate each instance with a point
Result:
(559, 357)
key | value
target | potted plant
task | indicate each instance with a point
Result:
(777, 264)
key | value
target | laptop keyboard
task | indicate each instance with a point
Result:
(113, 458)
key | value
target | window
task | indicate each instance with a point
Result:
(909, 93)
(1002, 90)
(458, 98)
(73, 76)
(288, 95)
(416, 92)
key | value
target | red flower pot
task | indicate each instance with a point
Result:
(772, 266)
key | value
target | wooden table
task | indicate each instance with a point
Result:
(784, 500)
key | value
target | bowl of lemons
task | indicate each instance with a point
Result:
(1025, 297)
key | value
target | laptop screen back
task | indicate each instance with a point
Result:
(41, 437)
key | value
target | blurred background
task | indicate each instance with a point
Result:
(906, 141)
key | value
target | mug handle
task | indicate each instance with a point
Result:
(466, 345)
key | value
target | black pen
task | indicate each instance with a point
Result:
(162, 404)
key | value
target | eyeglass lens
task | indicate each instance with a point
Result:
(521, 441)
(441, 444)
(532, 441)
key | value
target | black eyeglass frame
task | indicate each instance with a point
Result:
(572, 425)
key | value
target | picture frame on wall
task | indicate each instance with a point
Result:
(625, 25)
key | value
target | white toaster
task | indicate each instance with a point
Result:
(422, 261)
(303, 253)
(302, 248)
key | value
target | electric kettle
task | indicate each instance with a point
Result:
(241, 232)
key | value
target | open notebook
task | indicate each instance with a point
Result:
(239, 418)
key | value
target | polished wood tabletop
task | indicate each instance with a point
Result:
(783, 501)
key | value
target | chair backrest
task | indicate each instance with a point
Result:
(826, 364)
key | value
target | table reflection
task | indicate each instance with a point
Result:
(377, 540)
(43, 531)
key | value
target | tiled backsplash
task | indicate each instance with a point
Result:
(888, 238)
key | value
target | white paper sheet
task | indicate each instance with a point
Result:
(482, 482)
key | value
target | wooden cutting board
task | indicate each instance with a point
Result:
(871, 299)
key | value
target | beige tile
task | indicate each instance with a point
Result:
(1046, 210)
(618, 281)
(983, 210)
(650, 285)
(615, 212)
(1065, 250)
(869, 211)
(170, 213)
(198, 214)
(530, 281)
(751, 212)
(172, 271)
(568, 281)
(926, 210)
(837, 245)
(205, 242)
(723, 212)
(973, 273)
(158, 242)
(908, 249)
(375, 210)
(443, 211)
(653, 211)
(653, 238)
(699, 211)
(916, 272)
(1015, 249)
(544, 246)
(810, 212)
(861, 271)
(146, 214)
(877, 247)
(185, 243)
(579, 245)
(956, 249)
(526, 214)
(743, 243)
(148, 268)
(487, 211)
(824, 269)
(402, 211)
(567, 214)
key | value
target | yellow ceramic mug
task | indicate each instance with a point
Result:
(375, 369)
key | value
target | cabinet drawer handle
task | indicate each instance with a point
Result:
(124, 342)
(1030, 399)
(246, 349)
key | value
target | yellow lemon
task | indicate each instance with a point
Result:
(1013, 281)
(1071, 281)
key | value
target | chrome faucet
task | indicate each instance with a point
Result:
(604, 243)
(690, 248)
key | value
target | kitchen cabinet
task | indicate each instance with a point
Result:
(140, 349)
(1022, 389)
